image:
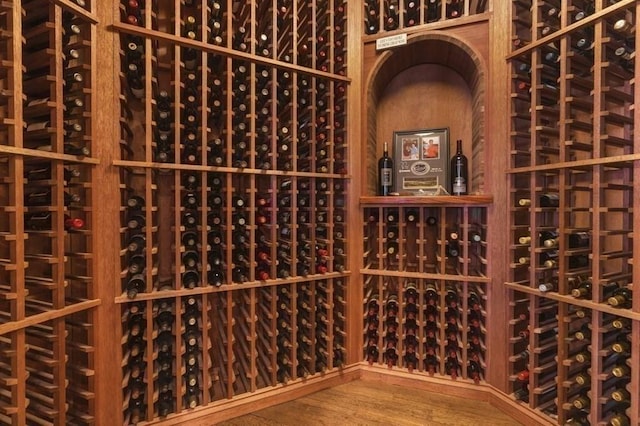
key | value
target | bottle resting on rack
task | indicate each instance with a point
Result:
(385, 172)
(459, 171)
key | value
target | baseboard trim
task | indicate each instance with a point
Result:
(226, 409)
(222, 410)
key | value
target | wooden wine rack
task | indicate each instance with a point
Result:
(573, 92)
(216, 177)
(439, 254)
(233, 171)
(388, 17)
(48, 290)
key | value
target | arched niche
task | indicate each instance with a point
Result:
(436, 80)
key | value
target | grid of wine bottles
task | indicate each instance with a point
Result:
(233, 185)
(389, 15)
(425, 288)
(46, 260)
(573, 166)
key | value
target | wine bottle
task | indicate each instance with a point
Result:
(135, 202)
(432, 10)
(549, 259)
(37, 172)
(135, 285)
(391, 21)
(550, 200)
(43, 221)
(385, 172)
(190, 279)
(459, 171)
(548, 239)
(578, 261)
(136, 264)
(412, 13)
(621, 298)
(619, 419)
(579, 240)
(45, 198)
(582, 289)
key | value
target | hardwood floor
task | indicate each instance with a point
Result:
(371, 403)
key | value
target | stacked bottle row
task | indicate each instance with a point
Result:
(46, 259)
(237, 113)
(215, 229)
(389, 15)
(57, 118)
(534, 20)
(435, 240)
(234, 114)
(554, 117)
(559, 256)
(180, 353)
(309, 34)
(432, 326)
(179, 373)
(572, 363)
(56, 107)
(288, 332)
(57, 372)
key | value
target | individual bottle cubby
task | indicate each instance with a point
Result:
(389, 15)
(435, 327)
(433, 240)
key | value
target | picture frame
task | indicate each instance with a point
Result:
(422, 161)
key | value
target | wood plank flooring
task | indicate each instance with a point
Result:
(372, 403)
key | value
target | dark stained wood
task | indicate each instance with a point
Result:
(370, 402)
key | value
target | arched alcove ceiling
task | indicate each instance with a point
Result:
(432, 48)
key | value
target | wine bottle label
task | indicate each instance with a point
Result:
(459, 185)
(386, 177)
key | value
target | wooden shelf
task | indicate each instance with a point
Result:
(419, 200)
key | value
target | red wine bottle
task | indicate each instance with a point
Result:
(459, 171)
(385, 172)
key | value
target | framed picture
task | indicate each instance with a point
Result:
(422, 161)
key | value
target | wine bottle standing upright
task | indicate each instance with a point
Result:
(385, 172)
(459, 171)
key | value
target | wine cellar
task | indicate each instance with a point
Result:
(191, 226)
